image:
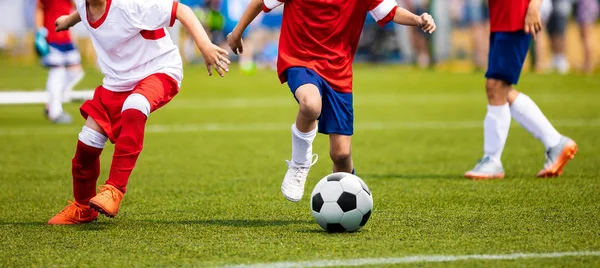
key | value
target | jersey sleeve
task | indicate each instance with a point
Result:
(272, 4)
(152, 14)
(382, 11)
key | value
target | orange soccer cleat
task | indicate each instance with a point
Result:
(74, 213)
(557, 158)
(107, 201)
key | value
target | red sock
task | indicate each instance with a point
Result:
(127, 148)
(85, 170)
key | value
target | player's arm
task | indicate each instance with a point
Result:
(234, 39)
(214, 56)
(41, 44)
(65, 22)
(39, 15)
(533, 20)
(425, 21)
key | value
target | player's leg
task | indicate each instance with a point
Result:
(303, 84)
(496, 124)
(74, 71)
(337, 121)
(128, 147)
(56, 60)
(150, 94)
(340, 151)
(85, 169)
(54, 87)
(559, 149)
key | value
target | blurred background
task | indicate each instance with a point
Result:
(569, 42)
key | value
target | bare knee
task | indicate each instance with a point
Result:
(309, 99)
(497, 91)
(91, 123)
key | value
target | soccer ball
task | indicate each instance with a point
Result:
(341, 202)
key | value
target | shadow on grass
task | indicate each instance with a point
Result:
(92, 226)
(323, 232)
(24, 223)
(232, 223)
(412, 176)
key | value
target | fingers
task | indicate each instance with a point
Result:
(222, 65)
(209, 69)
(428, 24)
(539, 26)
(220, 71)
(224, 59)
(222, 51)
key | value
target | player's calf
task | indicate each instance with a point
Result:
(341, 153)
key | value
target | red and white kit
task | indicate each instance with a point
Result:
(135, 54)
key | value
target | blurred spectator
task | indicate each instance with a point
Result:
(557, 26)
(477, 16)
(539, 46)
(420, 39)
(586, 15)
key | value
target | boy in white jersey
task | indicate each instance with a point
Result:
(143, 72)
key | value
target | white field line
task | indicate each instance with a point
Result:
(40, 96)
(359, 100)
(420, 259)
(284, 126)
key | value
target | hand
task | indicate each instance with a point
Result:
(533, 22)
(426, 23)
(62, 23)
(216, 57)
(235, 43)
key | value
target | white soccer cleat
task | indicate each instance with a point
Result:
(292, 186)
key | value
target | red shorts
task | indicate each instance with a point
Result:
(105, 107)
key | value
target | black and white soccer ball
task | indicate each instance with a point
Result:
(341, 202)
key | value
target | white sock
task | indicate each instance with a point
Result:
(495, 130)
(529, 115)
(55, 86)
(302, 145)
(74, 76)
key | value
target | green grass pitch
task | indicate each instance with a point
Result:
(205, 191)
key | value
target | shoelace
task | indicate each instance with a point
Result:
(549, 160)
(72, 213)
(481, 162)
(112, 194)
(301, 171)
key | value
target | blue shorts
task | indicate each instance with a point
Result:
(337, 114)
(507, 55)
(62, 55)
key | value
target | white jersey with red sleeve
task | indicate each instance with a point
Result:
(323, 35)
(131, 41)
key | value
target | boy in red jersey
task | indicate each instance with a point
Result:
(143, 71)
(513, 23)
(316, 49)
(58, 54)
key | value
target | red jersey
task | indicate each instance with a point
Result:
(507, 15)
(323, 35)
(52, 10)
